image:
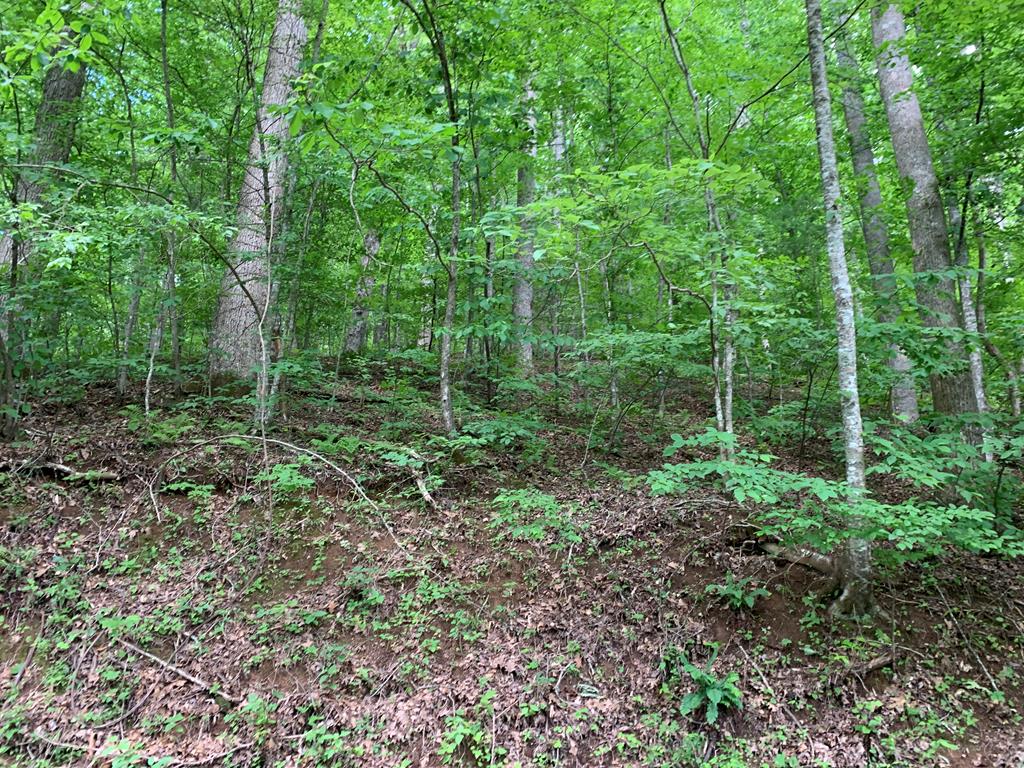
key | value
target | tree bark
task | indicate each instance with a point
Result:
(1012, 379)
(355, 341)
(936, 293)
(903, 394)
(724, 356)
(52, 138)
(237, 342)
(854, 562)
(525, 194)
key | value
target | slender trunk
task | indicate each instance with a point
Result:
(609, 316)
(854, 562)
(237, 342)
(1012, 379)
(724, 357)
(967, 310)
(951, 392)
(356, 338)
(447, 410)
(525, 193)
(130, 320)
(903, 394)
(172, 239)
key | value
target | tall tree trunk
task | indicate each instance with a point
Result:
(52, 138)
(854, 562)
(903, 395)
(525, 193)
(355, 341)
(967, 310)
(428, 23)
(724, 356)
(936, 294)
(1012, 379)
(237, 342)
(447, 409)
(53, 135)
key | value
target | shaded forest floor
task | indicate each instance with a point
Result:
(174, 597)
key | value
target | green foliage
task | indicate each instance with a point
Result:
(737, 593)
(504, 434)
(527, 514)
(157, 431)
(287, 478)
(819, 513)
(712, 693)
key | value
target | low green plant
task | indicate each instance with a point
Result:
(712, 693)
(287, 479)
(527, 514)
(737, 593)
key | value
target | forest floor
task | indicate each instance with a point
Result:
(176, 597)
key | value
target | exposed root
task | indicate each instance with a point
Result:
(854, 602)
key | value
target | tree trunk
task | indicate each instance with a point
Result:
(52, 137)
(936, 294)
(356, 339)
(525, 194)
(237, 342)
(724, 356)
(967, 310)
(1012, 380)
(447, 409)
(903, 395)
(854, 562)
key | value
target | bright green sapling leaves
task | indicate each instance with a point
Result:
(812, 511)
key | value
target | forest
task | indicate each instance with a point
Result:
(522, 383)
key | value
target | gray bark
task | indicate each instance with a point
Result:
(936, 295)
(854, 562)
(447, 409)
(1012, 379)
(723, 361)
(525, 194)
(355, 341)
(967, 310)
(53, 136)
(237, 342)
(903, 395)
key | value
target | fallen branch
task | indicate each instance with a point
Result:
(69, 474)
(208, 687)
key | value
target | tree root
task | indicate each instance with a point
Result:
(807, 558)
(854, 600)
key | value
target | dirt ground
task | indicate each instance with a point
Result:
(175, 597)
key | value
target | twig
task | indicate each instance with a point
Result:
(208, 687)
(28, 658)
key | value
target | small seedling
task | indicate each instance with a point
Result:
(736, 592)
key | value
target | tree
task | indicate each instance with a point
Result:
(853, 564)
(428, 22)
(936, 292)
(526, 190)
(903, 394)
(238, 344)
(356, 338)
(52, 137)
